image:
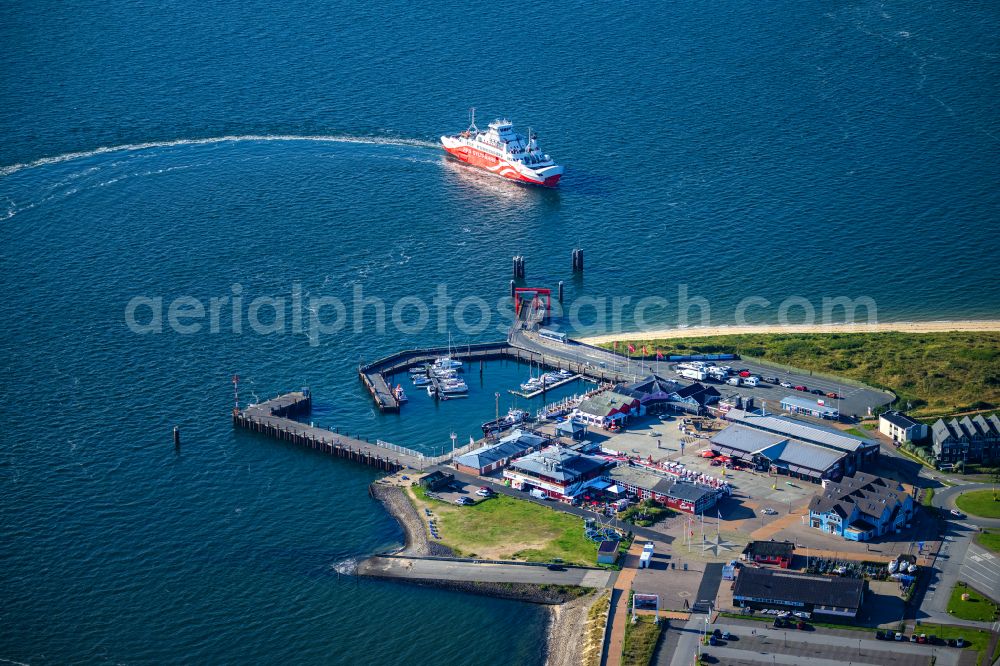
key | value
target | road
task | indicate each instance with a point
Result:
(756, 639)
(451, 570)
(856, 400)
(960, 559)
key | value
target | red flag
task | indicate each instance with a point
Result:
(659, 354)
(644, 350)
(614, 345)
(631, 349)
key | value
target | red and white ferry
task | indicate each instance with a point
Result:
(503, 152)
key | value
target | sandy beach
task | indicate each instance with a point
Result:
(703, 332)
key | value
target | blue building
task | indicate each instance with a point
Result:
(861, 507)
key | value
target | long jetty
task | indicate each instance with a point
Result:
(274, 419)
(377, 376)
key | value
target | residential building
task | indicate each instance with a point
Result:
(496, 456)
(818, 409)
(644, 483)
(779, 553)
(900, 428)
(861, 507)
(775, 589)
(559, 472)
(859, 451)
(970, 439)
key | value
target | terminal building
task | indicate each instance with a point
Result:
(858, 451)
(763, 589)
(779, 454)
(680, 495)
(861, 507)
(560, 473)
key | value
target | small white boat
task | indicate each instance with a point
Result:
(421, 381)
(447, 363)
(453, 387)
(892, 566)
(400, 394)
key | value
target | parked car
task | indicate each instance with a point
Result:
(816, 392)
(801, 388)
(934, 640)
(832, 394)
(744, 373)
(555, 567)
(922, 638)
(801, 625)
(771, 380)
(880, 635)
(787, 385)
(914, 638)
(899, 636)
(779, 623)
(717, 633)
(801, 614)
(463, 501)
(952, 642)
(768, 511)
(957, 513)
(960, 642)
(726, 636)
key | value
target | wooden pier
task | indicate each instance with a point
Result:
(548, 387)
(272, 418)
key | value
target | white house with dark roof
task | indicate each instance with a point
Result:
(861, 507)
(900, 428)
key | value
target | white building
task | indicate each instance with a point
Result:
(900, 428)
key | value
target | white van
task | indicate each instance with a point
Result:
(734, 381)
(540, 494)
(751, 381)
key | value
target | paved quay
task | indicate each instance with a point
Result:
(480, 572)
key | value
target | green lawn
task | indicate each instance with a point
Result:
(989, 540)
(938, 373)
(640, 640)
(507, 528)
(981, 503)
(977, 608)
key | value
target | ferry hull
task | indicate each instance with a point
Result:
(499, 167)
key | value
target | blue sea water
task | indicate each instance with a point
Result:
(739, 149)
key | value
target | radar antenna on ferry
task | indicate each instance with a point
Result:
(472, 121)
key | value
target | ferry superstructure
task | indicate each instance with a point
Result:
(502, 151)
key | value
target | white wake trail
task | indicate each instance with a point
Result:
(132, 147)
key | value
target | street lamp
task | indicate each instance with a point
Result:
(453, 438)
